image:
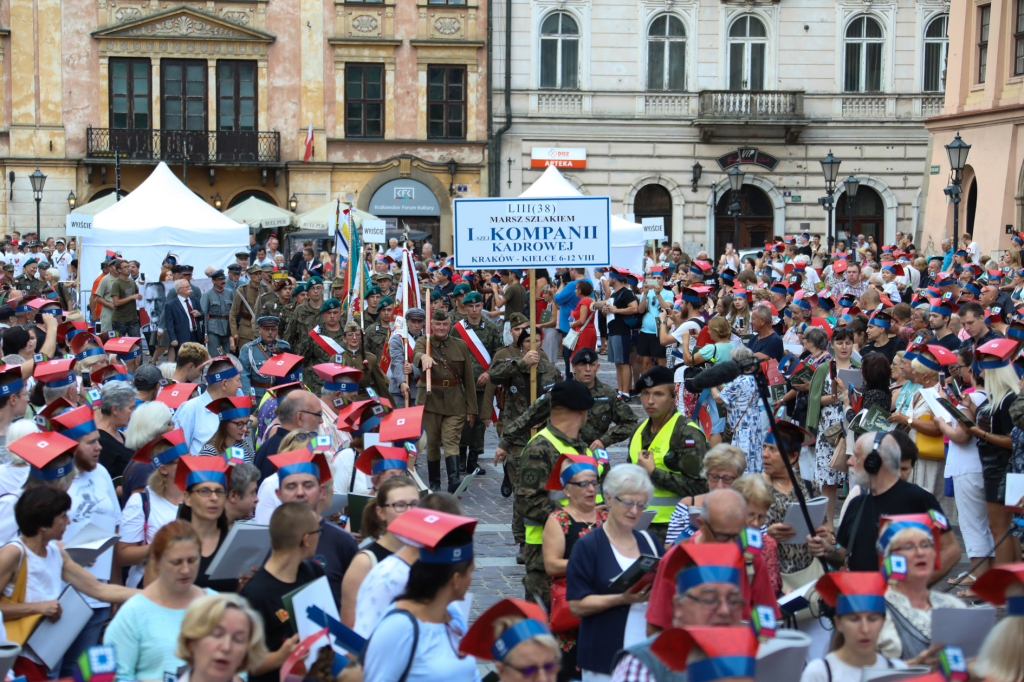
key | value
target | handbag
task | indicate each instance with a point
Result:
(929, 447)
(572, 337)
(840, 459)
(562, 619)
(18, 630)
(834, 433)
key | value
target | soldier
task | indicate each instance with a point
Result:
(378, 333)
(484, 340)
(306, 315)
(570, 401)
(402, 373)
(458, 311)
(347, 342)
(373, 297)
(243, 313)
(386, 283)
(27, 282)
(299, 295)
(338, 288)
(274, 302)
(253, 354)
(8, 278)
(234, 277)
(437, 303)
(510, 369)
(451, 401)
(668, 445)
(216, 305)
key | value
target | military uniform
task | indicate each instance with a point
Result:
(244, 306)
(217, 309)
(270, 304)
(452, 396)
(252, 356)
(471, 445)
(305, 317)
(374, 338)
(455, 316)
(365, 362)
(29, 286)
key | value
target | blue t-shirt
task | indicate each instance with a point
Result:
(650, 322)
(567, 301)
(770, 345)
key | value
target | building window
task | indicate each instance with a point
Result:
(985, 16)
(447, 2)
(863, 56)
(364, 100)
(446, 102)
(559, 52)
(666, 54)
(936, 47)
(183, 94)
(236, 96)
(748, 44)
(129, 94)
(1018, 40)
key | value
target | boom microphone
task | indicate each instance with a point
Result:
(718, 374)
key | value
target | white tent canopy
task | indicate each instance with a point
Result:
(162, 216)
(627, 239)
(257, 213)
(94, 207)
(320, 218)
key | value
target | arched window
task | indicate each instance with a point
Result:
(559, 52)
(936, 46)
(863, 56)
(666, 54)
(748, 44)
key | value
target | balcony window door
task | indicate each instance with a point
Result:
(236, 111)
(748, 47)
(559, 52)
(183, 109)
(666, 54)
(131, 120)
(936, 47)
(863, 56)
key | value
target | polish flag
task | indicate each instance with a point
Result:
(309, 143)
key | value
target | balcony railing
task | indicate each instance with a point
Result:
(175, 145)
(752, 105)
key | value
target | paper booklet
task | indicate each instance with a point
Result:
(246, 546)
(816, 507)
(50, 640)
(965, 628)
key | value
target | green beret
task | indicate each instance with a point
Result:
(385, 302)
(440, 315)
(473, 297)
(313, 281)
(374, 291)
(330, 304)
(435, 296)
(299, 288)
(30, 261)
(461, 289)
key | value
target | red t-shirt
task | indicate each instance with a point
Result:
(659, 606)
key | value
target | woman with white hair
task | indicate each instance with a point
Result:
(611, 619)
(118, 403)
(722, 465)
(148, 421)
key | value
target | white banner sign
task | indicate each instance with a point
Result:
(654, 228)
(78, 225)
(373, 231)
(532, 232)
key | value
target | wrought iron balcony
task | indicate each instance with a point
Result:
(752, 105)
(200, 147)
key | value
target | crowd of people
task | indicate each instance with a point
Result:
(275, 399)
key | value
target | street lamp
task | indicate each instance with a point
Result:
(72, 200)
(830, 169)
(293, 203)
(852, 185)
(957, 151)
(38, 180)
(453, 168)
(217, 201)
(697, 171)
(736, 183)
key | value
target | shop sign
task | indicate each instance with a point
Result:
(747, 155)
(404, 197)
(542, 157)
(533, 232)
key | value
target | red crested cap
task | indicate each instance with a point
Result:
(39, 449)
(292, 462)
(555, 478)
(281, 365)
(993, 584)
(840, 265)
(942, 355)
(192, 470)
(64, 327)
(889, 526)
(53, 370)
(480, 638)
(57, 406)
(425, 528)
(121, 344)
(175, 395)
(332, 371)
(100, 375)
(365, 462)
(674, 646)
(39, 303)
(223, 405)
(79, 340)
(174, 438)
(66, 421)
(402, 425)
(847, 583)
(1001, 348)
(686, 555)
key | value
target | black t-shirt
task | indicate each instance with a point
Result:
(902, 498)
(620, 299)
(265, 593)
(770, 345)
(889, 349)
(114, 455)
(269, 447)
(992, 335)
(202, 580)
(950, 342)
(996, 422)
(334, 552)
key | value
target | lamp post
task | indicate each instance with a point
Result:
(697, 171)
(217, 201)
(293, 203)
(72, 200)
(852, 185)
(453, 168)
(957, 151)
(736, 184)
(830, 169)
(38, 180)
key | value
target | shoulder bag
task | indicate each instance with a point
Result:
(573, 336)
(415, 644)
(18, 630)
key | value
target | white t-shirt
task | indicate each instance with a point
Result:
(975, 251)
(841, 672)
(93, 500)
(12, 478)
(133, 522)
(964, 459)
(267, 500)
(380, 588)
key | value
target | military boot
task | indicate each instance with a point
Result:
(434, 475)
(452, 466)
(472, 465)
(462, 459)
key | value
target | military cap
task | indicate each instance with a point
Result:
(9, 267)
(440, 316)
(516, 319)
(415, 314)
(267, 267)
(572, 395)
(268, 321)
(385, 302)
(338, 283)
(658, 375)
(330, 304)
(585, 356)
(382, 275)
(472, 297)
(242, 254)
(461, 290)
(235, 267)
(218, 275)
(253, 269)
(187, 268)
(435, 296)
(313, 281)
(374, 291)
(300, 288)
(352, 327)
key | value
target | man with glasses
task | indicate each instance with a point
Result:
(570, 400)
(299, 411)
(198, 423)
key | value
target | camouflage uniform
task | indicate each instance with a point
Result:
(304, 318)
(29, 286)
(374, 338)
(472, 441)
(270, 304)
(509, 371)
(535, 505)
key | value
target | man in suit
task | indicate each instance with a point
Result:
(181, 316)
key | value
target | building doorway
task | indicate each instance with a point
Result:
(868, 216)
(654, 201)
(242, 196)
(756, 223)
(972, 205)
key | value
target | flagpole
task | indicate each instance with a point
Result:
(428, 307)
(533, 331)
(362, 296)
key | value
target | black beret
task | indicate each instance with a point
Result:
(585, 356)
(655, 376)
(572, 394)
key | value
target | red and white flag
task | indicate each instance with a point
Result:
(329, 345)
(479, 351)
(309, 144)
(385, 355)
(409, 294)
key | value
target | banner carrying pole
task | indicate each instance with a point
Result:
(533, 331)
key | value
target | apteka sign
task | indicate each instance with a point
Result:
(532, 232)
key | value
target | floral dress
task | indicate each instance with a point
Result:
(573, 531)
(828, 416)
(792, 558)
(744, 414)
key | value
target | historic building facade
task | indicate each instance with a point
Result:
(637, 95)
(224, 91)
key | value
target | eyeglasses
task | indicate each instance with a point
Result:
(240, 423)
(587, 484)
(714, 478)
(709, 602)
(403, 506)
(721, 537)
(910, 547)
(532, 670)
(319, 415)
(318, 532)
(639, 506)
(207, 492)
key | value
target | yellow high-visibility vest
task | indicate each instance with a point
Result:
(665, 501)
